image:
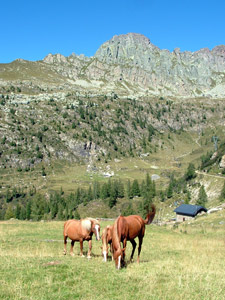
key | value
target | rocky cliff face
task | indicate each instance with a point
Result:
(177, 73)
(131, 65)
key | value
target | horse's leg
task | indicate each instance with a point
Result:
(65, 242)
(134, 244)
(81, 248)
(71, 248)
(124, 247)
(111, 250)
(89, 249)
(139, 248)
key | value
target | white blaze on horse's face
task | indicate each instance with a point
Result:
(105, 256)
(97, 232)
(119, 262)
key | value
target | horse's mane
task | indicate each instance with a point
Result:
(104, 231)
(93, 220)
(115, 236)
(86, 224)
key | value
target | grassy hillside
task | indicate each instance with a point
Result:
(65, 141)
(176, 263)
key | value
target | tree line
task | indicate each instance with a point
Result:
(27, 205)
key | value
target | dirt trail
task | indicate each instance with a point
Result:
(210, 175)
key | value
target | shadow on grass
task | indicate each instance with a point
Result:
(125, 264)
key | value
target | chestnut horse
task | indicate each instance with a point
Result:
(106, 239)
(127, 229)
(80, 231)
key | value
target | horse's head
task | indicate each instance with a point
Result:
(119, 257)
(95, 228)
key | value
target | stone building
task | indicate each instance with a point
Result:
(187, 211)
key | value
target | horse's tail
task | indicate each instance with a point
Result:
(150, 215)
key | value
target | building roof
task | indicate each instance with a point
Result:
(189, 210)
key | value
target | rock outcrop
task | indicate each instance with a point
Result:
(130, 65)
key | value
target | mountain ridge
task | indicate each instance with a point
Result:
(130, 65)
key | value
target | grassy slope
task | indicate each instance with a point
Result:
(71, 175)
(175, 264)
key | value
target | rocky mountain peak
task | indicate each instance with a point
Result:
(219, 50)
(130, 38)
(129, 64)
(125, 49)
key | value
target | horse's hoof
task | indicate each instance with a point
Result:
(72, 254)
(64, 253)
(88, 256)
(82, 255)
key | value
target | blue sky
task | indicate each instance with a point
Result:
(32, 29)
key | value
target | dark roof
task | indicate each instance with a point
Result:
(189, 210)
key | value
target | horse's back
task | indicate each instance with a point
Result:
(136, 226)
(72, 229)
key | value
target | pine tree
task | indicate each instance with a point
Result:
(129, 190)
(148, 181)
(188, 197)
(202, 197)
(28, 210)
(90, 196)
(170, 190)
(112, 193)
(143, 188)
(18, 209)
(120, 189)
(104, 191)
(78, 196)
(8, 196)
(60, 215)
(128, 210)
(162, 196)
(190, 174)
(136, 188)
(96, 190)
(22, 213)
(76, 215)
(9, 213)
(222, 194)
(54, 205)
(37, 208)
(148, 198)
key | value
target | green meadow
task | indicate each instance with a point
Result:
(184, 261)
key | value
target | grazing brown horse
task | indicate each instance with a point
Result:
(106, 239)
(80, 231)
(127, 229)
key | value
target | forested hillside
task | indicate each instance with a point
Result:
(95, 133)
